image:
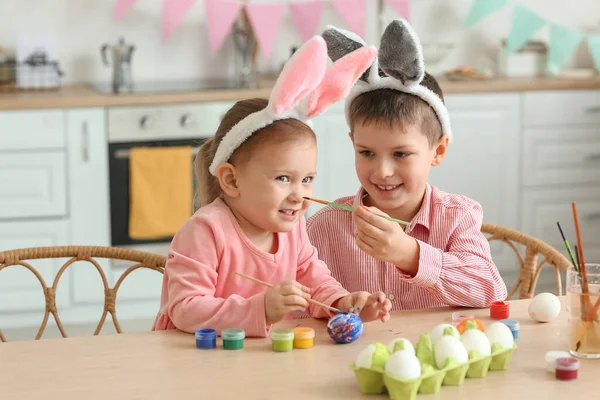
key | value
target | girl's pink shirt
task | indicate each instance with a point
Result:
(201, 290)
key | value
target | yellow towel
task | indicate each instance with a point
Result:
(160, 190)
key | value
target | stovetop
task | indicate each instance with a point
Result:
(174, 86)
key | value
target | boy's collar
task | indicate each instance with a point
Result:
(421, 218)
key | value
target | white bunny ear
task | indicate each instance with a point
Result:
(301, 75)
(341, 42)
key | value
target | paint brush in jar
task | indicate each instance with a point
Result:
(347, 208)
(309, 300)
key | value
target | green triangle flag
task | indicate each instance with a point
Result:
(482, 8)
(563, 42)
(525, 23)
(594, 47)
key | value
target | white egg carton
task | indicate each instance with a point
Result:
(443, 357)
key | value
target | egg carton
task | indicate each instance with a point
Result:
(375, 380)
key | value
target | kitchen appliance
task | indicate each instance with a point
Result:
(121, 57)
(161, 125)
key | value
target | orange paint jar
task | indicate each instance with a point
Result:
(304, 338)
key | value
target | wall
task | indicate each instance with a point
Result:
(82, 26)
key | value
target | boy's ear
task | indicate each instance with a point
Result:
(227, 176)
(351, 136)
(440, 150)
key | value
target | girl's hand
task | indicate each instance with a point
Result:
(283, 298)
(369, 307)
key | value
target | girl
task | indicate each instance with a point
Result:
(251, 178)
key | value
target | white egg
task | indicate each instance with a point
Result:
(407, 345)
(365, 357)
(403, 365)
(449, 346)
(499, 333)
(544, 307)
(474, 339)
(438, 332)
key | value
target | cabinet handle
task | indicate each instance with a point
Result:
(593, 109)
(85, 147)
(592, 216)
(593, 157)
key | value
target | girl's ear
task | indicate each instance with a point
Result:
(400, 53)
(227, 176)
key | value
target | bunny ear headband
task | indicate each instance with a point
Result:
(305, 88)
(399, 66)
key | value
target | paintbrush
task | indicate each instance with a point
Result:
(347, 208)
(587, 309)
(309, 300)
(575, 264)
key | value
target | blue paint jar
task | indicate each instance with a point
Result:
(513, 325)
(206, 338)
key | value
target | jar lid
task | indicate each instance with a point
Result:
(282, 334)
(499, 310)
(566, 364)
(233, 334)
(206, 333)
(304, 333)
(512, 324)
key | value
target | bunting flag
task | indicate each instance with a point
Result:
(593, 42)
(173, 13)
(122, 7)
(563, 42)
(306, 17)
(220, 16)
(482, 8)
(265, 19)
(354, 13)
(525, 24)
(401, 7)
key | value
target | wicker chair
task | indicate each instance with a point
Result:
(530, 268)
(80, 253)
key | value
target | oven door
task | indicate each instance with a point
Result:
(119, 189)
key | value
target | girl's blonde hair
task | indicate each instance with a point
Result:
(207, 185)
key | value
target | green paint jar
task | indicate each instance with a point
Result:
(282, 339)
(233, 338)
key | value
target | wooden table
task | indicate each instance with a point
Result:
(166, 365)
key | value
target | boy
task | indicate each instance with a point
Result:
(400, 127)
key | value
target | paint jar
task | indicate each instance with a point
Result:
(206, 338)
(513, 325)
(304, 338)
(551, 358)
(282, 339)
(499, 310)
(233, 338)
(566, 368)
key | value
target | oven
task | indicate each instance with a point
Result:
(153, 126)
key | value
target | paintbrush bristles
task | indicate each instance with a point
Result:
(316, 200)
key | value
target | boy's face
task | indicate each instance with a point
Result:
(393, 164)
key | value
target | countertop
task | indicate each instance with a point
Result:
(85, 96)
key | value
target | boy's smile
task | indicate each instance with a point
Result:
(393, 164)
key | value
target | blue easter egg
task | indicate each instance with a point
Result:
(345, 327)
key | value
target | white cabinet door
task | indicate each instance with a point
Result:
(336, 175)
(20, 290)
(88, 195)
(483, 160)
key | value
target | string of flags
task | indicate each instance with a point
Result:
(265, 17)
(563, 40)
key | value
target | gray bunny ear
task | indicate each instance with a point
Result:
(341, 42)
(400, 53)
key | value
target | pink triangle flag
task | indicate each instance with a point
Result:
(173, 13)
(306, 17)
(354, 13)
(401, 7)
(122, 7)
(220, 15)
(265, 20)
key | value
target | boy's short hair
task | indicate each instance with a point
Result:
(398, 108)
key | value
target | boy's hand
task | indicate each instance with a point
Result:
(283, 298)
(385, 240)
(369, 307)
